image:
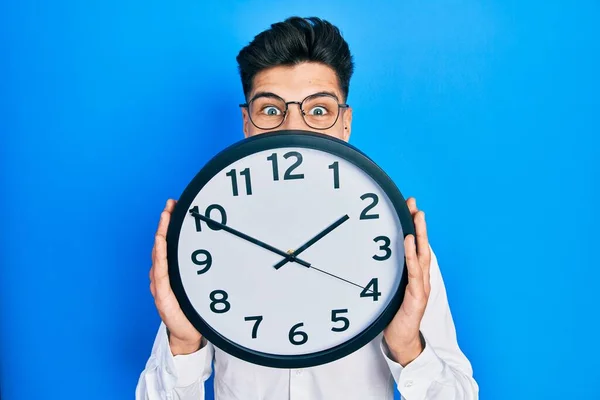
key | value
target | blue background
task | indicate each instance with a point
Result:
(486, 112)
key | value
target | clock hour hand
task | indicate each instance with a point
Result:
(312, 241)
(288, 256)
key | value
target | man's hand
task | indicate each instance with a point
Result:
(402, 335)
(183, 338)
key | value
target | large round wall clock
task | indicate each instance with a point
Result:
(286, 249)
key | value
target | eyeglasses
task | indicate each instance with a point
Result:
(319, 111)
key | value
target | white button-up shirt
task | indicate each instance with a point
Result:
(440, 372)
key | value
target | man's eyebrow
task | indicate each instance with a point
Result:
(273, 95)
(264, 94)
(326, 92)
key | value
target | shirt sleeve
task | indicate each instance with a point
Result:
(441, 371)
(168, 377)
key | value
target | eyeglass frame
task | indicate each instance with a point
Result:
(341, 106)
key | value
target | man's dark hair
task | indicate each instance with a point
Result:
(294, 41)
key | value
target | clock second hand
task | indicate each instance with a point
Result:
(337, 277)
(291, 257)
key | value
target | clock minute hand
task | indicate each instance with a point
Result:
(314, 240)
(289, 257)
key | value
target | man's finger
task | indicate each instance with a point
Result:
(426, 281)
(165, 216)
(415, 273)
(160, 259)
(423, 249)
(162, 284)
(152, 290)
(161, 270)
(161, 230)
(412, 206)
(170, 205)
(422, 239)
(163, 222)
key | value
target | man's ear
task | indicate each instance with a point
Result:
(245, 122)
(347, 121)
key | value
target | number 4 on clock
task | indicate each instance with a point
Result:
(374, 292)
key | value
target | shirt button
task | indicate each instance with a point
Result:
(298, 372)
(408, 384)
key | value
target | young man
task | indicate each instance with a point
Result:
(297, 69)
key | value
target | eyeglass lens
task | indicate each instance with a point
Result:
(319, 112)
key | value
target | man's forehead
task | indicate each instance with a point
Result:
(293, 83)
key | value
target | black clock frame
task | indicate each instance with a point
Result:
(268, 141)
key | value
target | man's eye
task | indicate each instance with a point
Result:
(318, 111)
(271, 111)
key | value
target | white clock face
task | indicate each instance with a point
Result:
(284, 197)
